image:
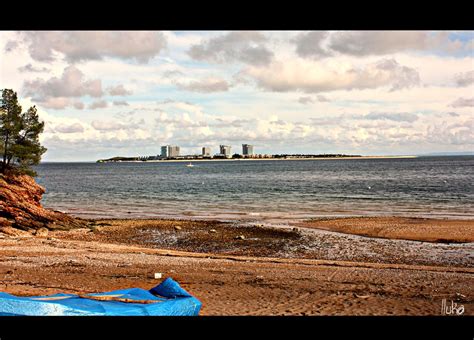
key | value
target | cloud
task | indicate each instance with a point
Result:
(309, 44)
(31, 68)
(119, 90)
(309, 100)
(56, 103)
(107, 125)
(453, 114)
(207, 85)
(11, 45)
(464, 79)
(397, 117)
(244, 46)
(112, 125)
(93, 45)
(314, 77)
(172, 73)
(363, 43)
(452, 134)
(120, 103)
(463, 102)
(99, 104)
(320, 44)
(55, 92)
(72, 128)
(78, 105)
(305, 100)
(183, 120)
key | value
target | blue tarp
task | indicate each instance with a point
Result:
(170, 299)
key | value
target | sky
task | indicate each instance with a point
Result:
(109, 93)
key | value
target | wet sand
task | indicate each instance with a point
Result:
(406, 228)
(268, 271)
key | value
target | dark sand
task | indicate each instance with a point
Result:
(268, 272)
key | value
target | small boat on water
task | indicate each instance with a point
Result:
(189, 165)
(168, 298)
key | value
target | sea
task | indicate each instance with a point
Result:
(267, 190)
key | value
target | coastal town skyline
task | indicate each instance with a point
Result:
(351, 92)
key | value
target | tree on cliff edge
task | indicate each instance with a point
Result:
(19, 136)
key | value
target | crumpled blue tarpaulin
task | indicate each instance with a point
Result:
(170, 299)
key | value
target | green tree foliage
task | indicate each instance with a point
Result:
(19, 136)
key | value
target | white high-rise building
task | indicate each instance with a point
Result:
(225, 150)
(165, 151)
(169, 151)
(247, 149)
(206, 151)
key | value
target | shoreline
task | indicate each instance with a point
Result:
(266, 218)
(257, 159)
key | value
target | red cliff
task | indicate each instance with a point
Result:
(20, 206)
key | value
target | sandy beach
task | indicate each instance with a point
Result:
(323, 267)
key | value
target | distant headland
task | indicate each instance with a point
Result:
(172, 153)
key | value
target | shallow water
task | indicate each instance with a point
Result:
(263, 190)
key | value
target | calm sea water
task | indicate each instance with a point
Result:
(425, 187)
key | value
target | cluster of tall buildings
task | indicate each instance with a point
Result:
(225, 151)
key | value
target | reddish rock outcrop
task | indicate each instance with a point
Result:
(20, 206)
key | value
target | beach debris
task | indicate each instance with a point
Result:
(240, 237)
(361, 296)
(213, 231)
(158, 275)
(41, 232)
(296, 230)
(177, 227)
(123, 265)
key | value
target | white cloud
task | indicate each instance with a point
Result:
(120, 103)
(93, 45)
(119, 90)
(314, 77)
(464, 79)
(305, 100)
(100, 104)
(108, 125)
(78, 105)
(207, 85)
(31, 68)
(56, 92)
(72, 128)
(397, 116)
(463, 102)
(244, 46)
